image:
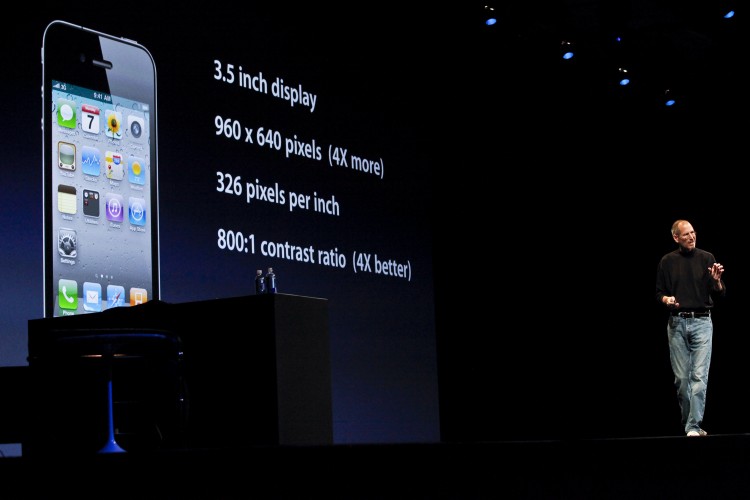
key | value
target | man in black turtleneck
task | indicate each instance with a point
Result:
(687, 282)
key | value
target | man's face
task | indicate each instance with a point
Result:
(686, 236)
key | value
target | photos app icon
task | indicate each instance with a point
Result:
(114, 124)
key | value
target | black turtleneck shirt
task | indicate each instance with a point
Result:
(686, 276)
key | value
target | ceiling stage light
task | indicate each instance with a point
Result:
(623, 77)
(490, 18)
(567, 50)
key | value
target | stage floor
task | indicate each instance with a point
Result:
(716, 466)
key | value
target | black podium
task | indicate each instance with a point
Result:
(250, 370)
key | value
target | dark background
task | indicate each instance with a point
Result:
(562, 194)
(546, 191)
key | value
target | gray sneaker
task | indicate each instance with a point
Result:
(699, 432)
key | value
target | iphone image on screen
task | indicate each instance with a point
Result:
(101, 238)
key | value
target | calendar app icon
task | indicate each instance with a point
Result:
(90, 118)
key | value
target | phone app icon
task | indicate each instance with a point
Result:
(136, 128)
(66, 113)
(114, 207)
(92, 296)
(136, 170)
(66, 243)
(114, 124)
(90, 118)
(138, 296)
(91, 161)
(137, 211)
(90, 203)
(115, 296)
(66, 155)
(66, 199)
(115, 168)
(67, 294)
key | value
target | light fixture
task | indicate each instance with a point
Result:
(490, 18)
(567, 50)
(623, 77)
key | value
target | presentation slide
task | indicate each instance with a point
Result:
(230, 142)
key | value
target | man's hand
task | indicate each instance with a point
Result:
(671, 302)
(716, 271)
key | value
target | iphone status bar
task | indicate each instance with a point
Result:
(94, 95)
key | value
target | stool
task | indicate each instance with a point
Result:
(155, 357)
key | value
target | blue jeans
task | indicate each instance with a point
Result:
(690, 342)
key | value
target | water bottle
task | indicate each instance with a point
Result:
(260, 283)
(270, 281)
